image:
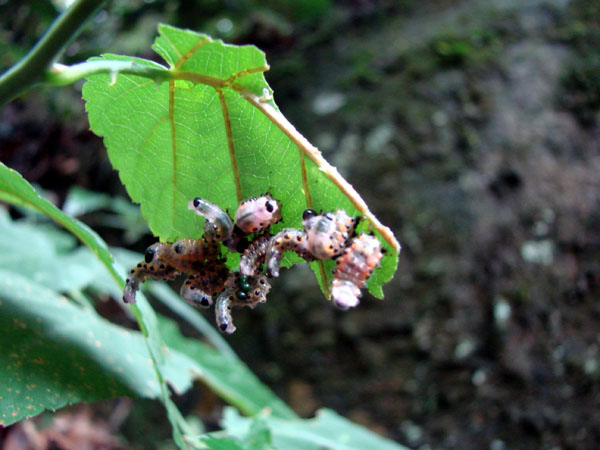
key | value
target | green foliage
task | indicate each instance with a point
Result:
(258, 437)
(55, 353)
(232, 380)
(197, 135)
(326, 430)
(14, 189)
(206, 126)
(110, 212)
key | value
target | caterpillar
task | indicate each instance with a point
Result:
(206, 281)
(218, 225)
(164, 261)
(257, 214)
(187, 255)
(354, 267)
(240, 291)
(255, 255)
(327, 233)
(153, 267)
(286, 239)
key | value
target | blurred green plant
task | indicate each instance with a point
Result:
(56, 349)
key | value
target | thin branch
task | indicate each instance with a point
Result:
(31, 69)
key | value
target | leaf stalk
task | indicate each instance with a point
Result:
(61, 75)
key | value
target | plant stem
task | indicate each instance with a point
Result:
(32, 68)
(60, 75)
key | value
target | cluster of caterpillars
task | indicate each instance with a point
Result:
(330, 235)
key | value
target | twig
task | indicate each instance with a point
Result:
(32, 68)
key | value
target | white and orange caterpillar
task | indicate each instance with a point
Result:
(328, 233)
(254, 255)
(254, 215)
(287, 239)
(354, 267)
(257, 214)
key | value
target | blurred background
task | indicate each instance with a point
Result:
(470, 127)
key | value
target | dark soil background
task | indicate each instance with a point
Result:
(472, 129)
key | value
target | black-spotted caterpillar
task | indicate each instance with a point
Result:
(329, 235)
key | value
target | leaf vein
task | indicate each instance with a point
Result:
(182, 59)
(230, 145)
(173, 146)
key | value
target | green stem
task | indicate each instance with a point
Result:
(32, 68)
(60, 75)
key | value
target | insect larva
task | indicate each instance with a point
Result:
(240, 291)
(287, 239)
(257, 214)
(218, 225)
(187, 255)
(354, 267)
(327, 233)
(208, 280)
(223, 312)
(254, 255)
(153, 267)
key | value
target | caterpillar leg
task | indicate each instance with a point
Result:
(287, 239)
(254, 255)
(200, 286)
(328, 233)
(153, 267)
(218, 225)
(354, 267)
(258, 214)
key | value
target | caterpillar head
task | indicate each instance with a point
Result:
(257, 214)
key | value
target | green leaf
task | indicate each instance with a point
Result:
(111, 212)
(213, 442)
(232, 380)
(14, 189)
(327, 430)
(17, 190)
(28, 250)
(212, 130)
(45, 257)
(53, 353)
(258, 438)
